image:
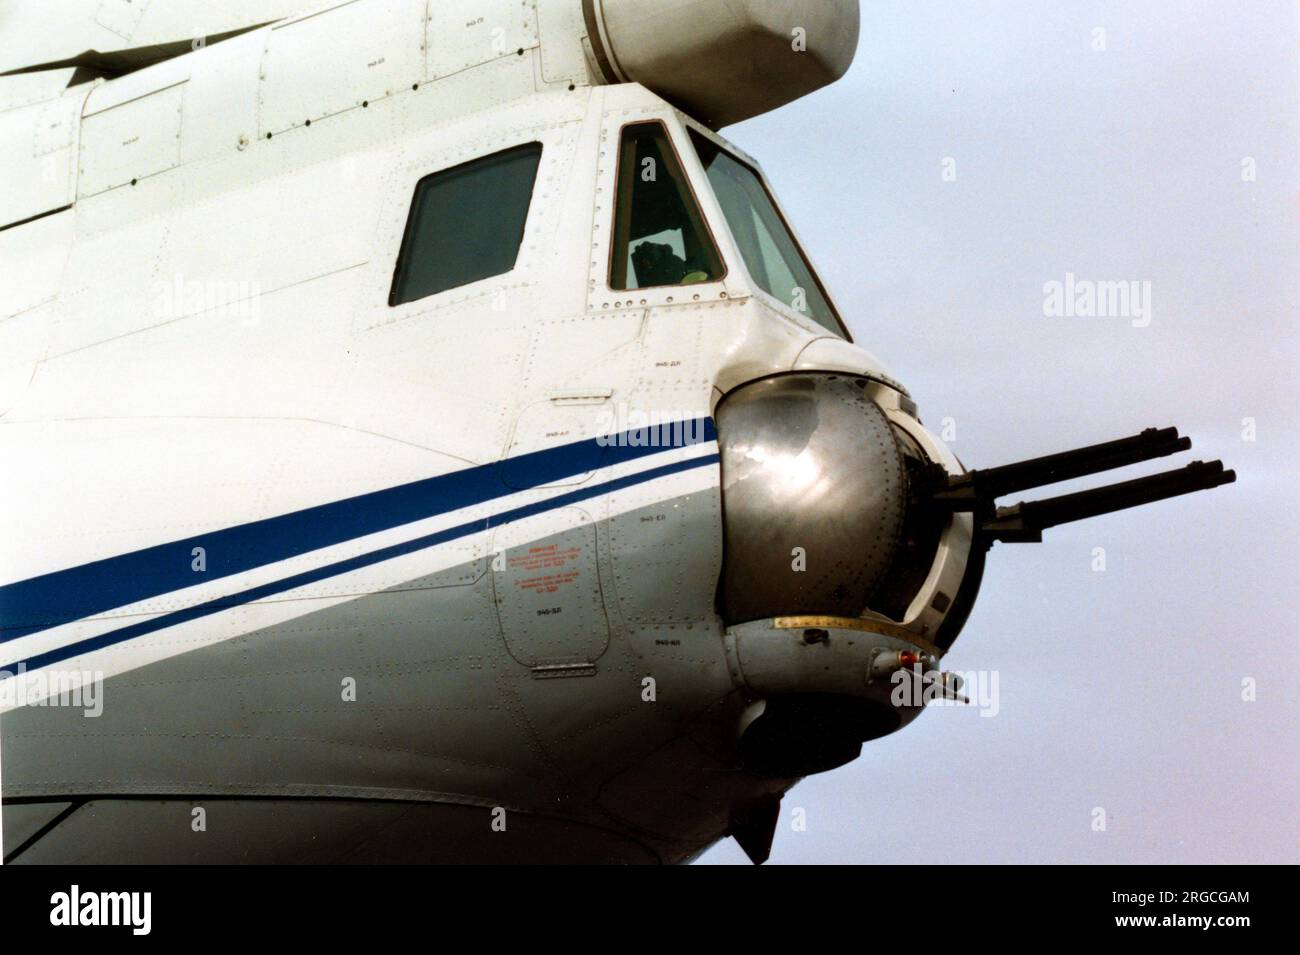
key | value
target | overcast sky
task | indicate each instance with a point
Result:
(1168, 157)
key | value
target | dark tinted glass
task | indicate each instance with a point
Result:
(466, 224)
(775, 262)
(659, 234)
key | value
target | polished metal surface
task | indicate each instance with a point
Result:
(814, 494)
(724, 61)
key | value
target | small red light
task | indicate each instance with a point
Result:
(908, 659)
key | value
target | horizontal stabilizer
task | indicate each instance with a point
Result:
(119, 36)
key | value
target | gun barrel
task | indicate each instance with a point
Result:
(975, 488)
(1026, 521)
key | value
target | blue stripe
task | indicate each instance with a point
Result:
(38, 603)
(353, 563)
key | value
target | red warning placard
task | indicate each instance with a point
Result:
(543, 569)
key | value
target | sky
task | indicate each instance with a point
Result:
(1147, 707)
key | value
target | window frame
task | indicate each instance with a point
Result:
(408, 226)
(733, 247)
(689, 176)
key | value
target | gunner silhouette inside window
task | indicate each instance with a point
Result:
(660, 238)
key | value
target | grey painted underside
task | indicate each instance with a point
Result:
(448, 724)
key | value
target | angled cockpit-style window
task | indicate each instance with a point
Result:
(660, 237)
(774, 260)
(466, 223)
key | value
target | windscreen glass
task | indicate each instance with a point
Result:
(774, 260)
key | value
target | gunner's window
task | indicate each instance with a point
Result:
(466, 224)
(659, 234)
(774, 260)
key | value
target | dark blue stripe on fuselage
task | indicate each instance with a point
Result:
(38, 603)
(354, 563)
